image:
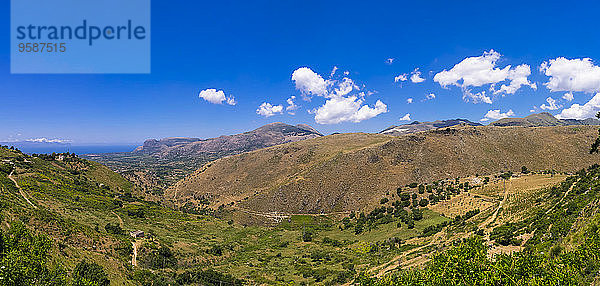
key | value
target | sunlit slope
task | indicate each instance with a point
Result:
(350, 171)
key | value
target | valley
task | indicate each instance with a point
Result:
(357, 208)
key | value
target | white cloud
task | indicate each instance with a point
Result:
(416, 76)
(268, 110)
(409, 100)
(335, 68)
(496, 114)
(476, 97)
(482, 70)
(518, 77)
(430, 96)
(345, 86)
(46, 140)
(572, 75)
(405, 117)
(291, 105)
(343, 109)
(576, 111)
(341, 105)
(551, 104)
(401, 77)
(309, 82)
(216, 96)
(568, 96)
(389, 61)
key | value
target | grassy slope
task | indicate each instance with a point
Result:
(75, 200)
(351, 171)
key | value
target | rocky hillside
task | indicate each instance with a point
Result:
(160, 163)
(417, 126)
(350, 171)
(541, 120)
(265, 136)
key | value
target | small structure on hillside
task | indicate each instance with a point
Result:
(136, 234)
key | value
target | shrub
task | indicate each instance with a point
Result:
(89, 274)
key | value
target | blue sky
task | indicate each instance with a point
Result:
(250, 50)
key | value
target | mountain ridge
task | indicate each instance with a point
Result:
(349, 171)
(543, 119)
(264, 136)
(417, 126)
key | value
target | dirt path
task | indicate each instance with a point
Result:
(134, 256)
(493, 217)
(119, 218)
(561, 199)
(20, 190)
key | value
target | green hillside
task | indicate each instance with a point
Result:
(84, 212)
(67, 221)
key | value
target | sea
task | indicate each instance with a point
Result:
(77, 149)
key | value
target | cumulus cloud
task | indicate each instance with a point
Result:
(416, 76)
(291, 105)
(568, 96)
(495, 114)
(309, 82)
(572, 75)
(476, 72)
(341, 109)
(409, 100)
(405, 117)
(216, 96)
(430, 96)
(401, 77)
(576, 111)
(344, 86)
(476, 97)
(46, 140)
(518, 77)
(267, 110)
(551, 104)
(345, 99)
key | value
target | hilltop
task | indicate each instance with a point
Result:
(417, 126)
(543, 119)
(351, 171)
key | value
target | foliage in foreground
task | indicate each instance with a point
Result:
(25, 260)
(468, 263)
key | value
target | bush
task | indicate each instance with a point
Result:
(24, 258)
(89, 274)
(114, 229)
(307, 236)
(159, 259)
